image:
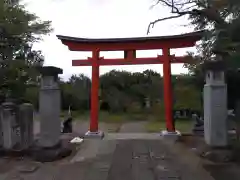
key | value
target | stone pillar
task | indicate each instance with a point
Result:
(215, 108)
(9, 125)
(50, 107)
(26, 125)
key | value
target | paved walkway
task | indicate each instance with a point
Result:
(128, 156)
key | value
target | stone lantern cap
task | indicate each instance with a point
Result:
(214, 66)
(50, 71)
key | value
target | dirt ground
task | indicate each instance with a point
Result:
(220, 164)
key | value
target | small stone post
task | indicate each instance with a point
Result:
(26, 125)
(50, 107)
(9, 125)
(215, 106)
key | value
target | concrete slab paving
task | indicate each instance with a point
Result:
(112, 159)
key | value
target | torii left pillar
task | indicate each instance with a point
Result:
(168, 99)
(93, 129)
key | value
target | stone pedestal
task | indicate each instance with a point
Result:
(26, 125)
(215, 109)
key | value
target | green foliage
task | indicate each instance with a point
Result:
(125, 92)
(31, 95)
(122, 89)
(76, 93)
(157, 126)
(184, 87)
(19, 29)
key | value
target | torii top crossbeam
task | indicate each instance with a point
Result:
(138, 43)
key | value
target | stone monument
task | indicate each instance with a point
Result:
(9, 126)
(26, 125)
(16, 128)
(49, 146)
(215, 106)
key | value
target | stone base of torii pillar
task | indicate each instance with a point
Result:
(170, 136)
(95, 135)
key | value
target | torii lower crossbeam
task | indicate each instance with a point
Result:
(134, 61)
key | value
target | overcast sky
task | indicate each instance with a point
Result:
(103, 19)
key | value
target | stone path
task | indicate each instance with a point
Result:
(128, 156)
(133, 127)
(151, 160)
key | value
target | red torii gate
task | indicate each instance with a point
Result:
(129, 46)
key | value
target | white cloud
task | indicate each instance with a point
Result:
(102, 19)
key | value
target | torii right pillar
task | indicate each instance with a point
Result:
(168, 97)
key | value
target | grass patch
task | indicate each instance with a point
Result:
(108, 117)
(104, 116)
(183, 126)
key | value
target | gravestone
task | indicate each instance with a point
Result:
(9, 125)
(26, 125)
(215, 107)
(198, 128)
(177, 114)
(147, 103)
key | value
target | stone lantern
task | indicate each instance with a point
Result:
(49, 147)
(215, 105)
(50, 107)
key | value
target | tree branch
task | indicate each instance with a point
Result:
(151, 24)
(210, 13)
(170, 5)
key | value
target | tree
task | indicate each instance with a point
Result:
(116, 90)
(19, 29)
(184, 87)
(76, 92)
(219, 17)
